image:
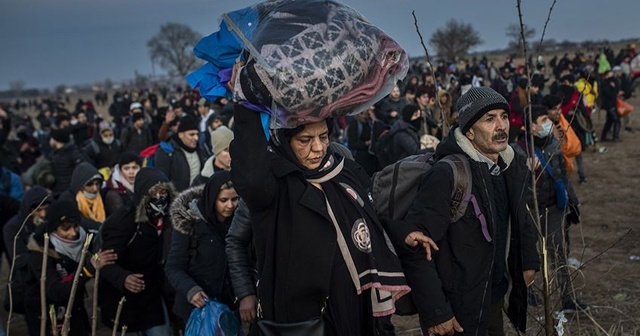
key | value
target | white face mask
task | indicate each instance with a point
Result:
(107, 140)
(37, 221)
(89, 195)
(546, 129)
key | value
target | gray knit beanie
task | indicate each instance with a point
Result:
(475, 103)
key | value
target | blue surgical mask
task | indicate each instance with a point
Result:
(546, 129)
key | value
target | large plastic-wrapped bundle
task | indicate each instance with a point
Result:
(311, 59)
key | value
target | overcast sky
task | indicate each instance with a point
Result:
(46, 43)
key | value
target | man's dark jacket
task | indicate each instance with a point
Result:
(176, 166)
(458, 281)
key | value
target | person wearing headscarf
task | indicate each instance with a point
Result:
(201, 217)
(120, 184)
(139, 232)
(67, 238)
(322, 253)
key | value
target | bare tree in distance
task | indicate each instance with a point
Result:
(16, 87)
(172, 48)
(546, 45)
(515, 39)
(455, 39)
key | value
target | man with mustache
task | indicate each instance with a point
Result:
(490, 250)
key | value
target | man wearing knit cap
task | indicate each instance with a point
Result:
(186, 160)
(491, 248)
(136, 136)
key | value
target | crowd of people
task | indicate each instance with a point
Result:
(176, 215)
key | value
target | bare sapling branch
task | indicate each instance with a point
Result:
(549, 328)
(94, 303)
(74, 286)
(544, 30)
(54, 320)
(43, 287)
(445, 121)
(117, 319)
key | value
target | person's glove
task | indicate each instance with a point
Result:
(573, 217)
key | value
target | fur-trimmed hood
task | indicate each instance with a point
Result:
(446, 93)
(184, 210)
(141, 207)
(33, 245)
(457, 142)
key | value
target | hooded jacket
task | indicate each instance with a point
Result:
(458, 281)
(197, 259)
(406, 141)
(82, 174)
(140, 250)
(32, 198)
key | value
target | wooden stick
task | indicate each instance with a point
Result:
(118, 312)
(94, 310)
(43, 287)
(54, 320)
(13, 263)
(124, 330)
(74, 286)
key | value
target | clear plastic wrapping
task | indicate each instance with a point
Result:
(307, 60)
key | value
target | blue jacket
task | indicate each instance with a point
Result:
(10, 184)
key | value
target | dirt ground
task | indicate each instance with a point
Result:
(608, 236)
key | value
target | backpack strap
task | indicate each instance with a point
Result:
(461, 194)
(461, 184)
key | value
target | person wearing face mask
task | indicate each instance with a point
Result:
(86, 183)
(140, 233)
(67, 238)
(36, 200)
(120, 184)
(201, 217)
(570, 144)
(557, 200)
(102, 151)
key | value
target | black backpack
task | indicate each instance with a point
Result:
(395, 187)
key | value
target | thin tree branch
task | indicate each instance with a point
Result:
(426, 52)
(74, 287)
(43, 287)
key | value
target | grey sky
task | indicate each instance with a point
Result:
(46, 43)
